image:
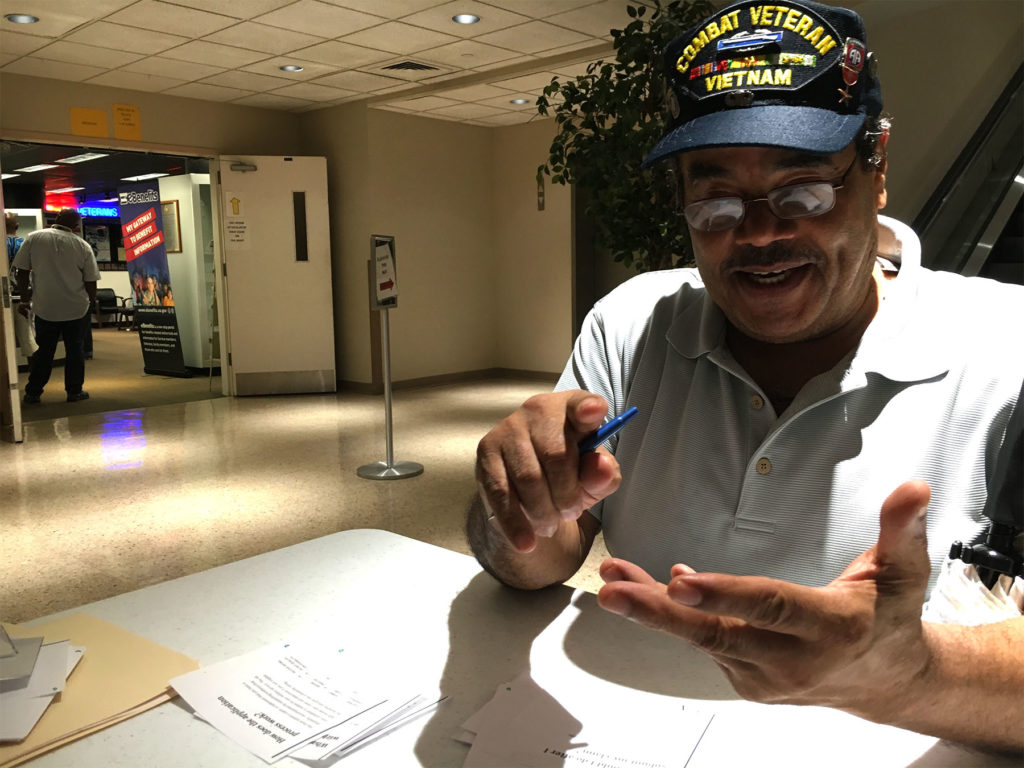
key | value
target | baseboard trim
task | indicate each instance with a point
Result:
(483, 374)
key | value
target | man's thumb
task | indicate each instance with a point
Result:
(902, 539)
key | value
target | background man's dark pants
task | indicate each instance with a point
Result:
(48, 333)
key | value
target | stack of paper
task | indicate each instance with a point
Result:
(32, 673)
(303, 699)
(121, 675)
(524, 725)
(960, 597)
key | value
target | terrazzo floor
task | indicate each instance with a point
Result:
(99, 504)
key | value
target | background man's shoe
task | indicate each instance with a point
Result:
(74, 397)
(30, 399)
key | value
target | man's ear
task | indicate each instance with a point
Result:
(881, 195)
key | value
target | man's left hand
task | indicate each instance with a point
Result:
(852, 644)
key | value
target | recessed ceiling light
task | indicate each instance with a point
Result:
(465, 18)
(62, 190)
(81, 158)
(519, 101)
(21, 18)
(8, 175)
(290, 68)
(31, 168)
(144, 176)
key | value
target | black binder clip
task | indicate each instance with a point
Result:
(993, 557)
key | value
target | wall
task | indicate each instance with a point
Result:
(942, 66)
(533, 253)
(40, 107)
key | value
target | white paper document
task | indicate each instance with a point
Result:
(23, 705)
(523, 725)
(305, 700)
(960, 597)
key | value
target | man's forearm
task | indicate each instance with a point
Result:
(552, 561)
(971, 690)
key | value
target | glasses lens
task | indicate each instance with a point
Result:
(798, 201)
(715, 214)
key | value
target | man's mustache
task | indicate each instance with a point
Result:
(747, 256)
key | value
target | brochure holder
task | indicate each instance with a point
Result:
(383, 296)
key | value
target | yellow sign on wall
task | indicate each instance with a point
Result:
(89, 122)
(127, 122)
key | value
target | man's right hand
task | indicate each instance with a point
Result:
(529, 473)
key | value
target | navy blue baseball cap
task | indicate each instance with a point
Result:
(797, 76)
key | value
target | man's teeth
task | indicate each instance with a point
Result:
(768, 278)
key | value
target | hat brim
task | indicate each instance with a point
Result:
(805, 129)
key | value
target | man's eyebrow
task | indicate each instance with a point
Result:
(702, 170)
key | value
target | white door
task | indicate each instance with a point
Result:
(277, 275)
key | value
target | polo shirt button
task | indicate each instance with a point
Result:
(757, 402)
(763, 466)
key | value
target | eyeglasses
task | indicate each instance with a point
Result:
(793, 201)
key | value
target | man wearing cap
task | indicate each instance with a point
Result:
(818, 413)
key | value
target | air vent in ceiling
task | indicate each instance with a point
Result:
(410, 66)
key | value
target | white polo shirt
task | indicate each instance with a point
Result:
(713, 478)
(61, 264)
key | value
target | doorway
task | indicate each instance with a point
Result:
(40, 179)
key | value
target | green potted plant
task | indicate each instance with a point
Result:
(607, 121)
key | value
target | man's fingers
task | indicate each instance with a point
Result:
(614, 569)
(763, 603)
(599, 476)
(585, 411)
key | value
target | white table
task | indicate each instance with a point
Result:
(476, 634)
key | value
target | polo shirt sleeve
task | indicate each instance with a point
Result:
(90, 271)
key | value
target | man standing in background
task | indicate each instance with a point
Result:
(63, 291)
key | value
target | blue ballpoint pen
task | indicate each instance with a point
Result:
(609, 429)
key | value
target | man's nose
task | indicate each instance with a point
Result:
(760, 226)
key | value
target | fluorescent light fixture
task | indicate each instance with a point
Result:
(465, 18)
(519, 101)
(85, 156)
(31, 168)
(144, 177)
(62, 190)
(8, 175)
(290, 68)
(21, 18)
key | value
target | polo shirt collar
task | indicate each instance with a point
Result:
(884, 347)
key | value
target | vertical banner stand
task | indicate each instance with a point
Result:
(384, 294)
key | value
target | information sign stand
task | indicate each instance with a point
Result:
(383, 296)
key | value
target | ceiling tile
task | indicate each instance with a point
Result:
(17, 44)
(572, 70)
(506, 118)
(534, 37)
(250, 81)
(181, 70)
(465, 111)
(207, 92)
(271, 101)
(240, 9)
(108, 35)
(310, 69)
(313, 92)
(596, 20)
(5, 59)
(136, 81)
(149, 14)
(397, 37)
(58, 70)
(76, 53)
(353, 80)
(260, 37)
(476, 93)
(467, 54)
(423, 103)
(318, 18)
(440, 18)
(342, 55)
(517, 59)
(391, 9)
(538, 9)
(224, 56)
(529, 83)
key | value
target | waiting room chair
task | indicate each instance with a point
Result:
(107, 303)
